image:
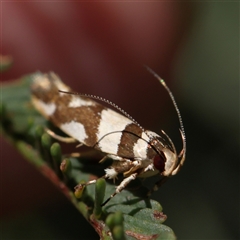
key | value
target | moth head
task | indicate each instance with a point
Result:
(166, 161)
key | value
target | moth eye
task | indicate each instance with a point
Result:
(159, 163)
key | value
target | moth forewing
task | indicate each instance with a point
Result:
(136, 152)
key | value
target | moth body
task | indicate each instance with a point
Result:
(136, 152)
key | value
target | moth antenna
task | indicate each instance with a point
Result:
(106, 101)
(175, 106)
(171, 142)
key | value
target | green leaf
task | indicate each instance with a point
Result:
(129, 215)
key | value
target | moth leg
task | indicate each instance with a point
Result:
(73, 155)
(135, 166)
(66, 140)
(157, 185)
(113, 157)
(121, 186)
(81, 186)
(60, 138)
(120, 165)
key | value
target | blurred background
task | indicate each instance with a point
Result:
(100, 48)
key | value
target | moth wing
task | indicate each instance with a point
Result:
(124, 144)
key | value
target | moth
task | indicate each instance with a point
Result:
(135, 151)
